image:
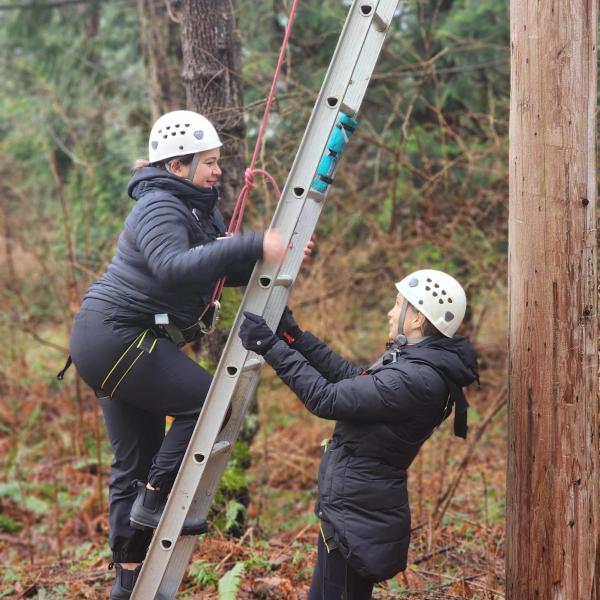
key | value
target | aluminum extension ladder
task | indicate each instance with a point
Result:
(296, 216)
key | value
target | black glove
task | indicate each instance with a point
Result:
(256, 334)
(288, 329)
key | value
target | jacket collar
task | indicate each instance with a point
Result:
(149, 179)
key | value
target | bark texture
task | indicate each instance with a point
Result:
(161, 47)
(552, 498)
(211, 73)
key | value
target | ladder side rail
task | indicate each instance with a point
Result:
(170, 579)
(348, 52)
(256, 296)
(257, 300)
(361, 77)
(350, 104)
(209, 469)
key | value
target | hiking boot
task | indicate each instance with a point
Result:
(148, 507)
(124, 581)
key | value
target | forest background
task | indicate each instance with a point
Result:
(423, 183)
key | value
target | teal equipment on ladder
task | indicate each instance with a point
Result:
(343, 130)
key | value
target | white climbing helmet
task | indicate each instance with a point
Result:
(181, 132)
(438, 296)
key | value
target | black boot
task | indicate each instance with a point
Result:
(148, 507)
(124, 581)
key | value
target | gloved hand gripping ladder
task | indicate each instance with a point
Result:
(296, 217)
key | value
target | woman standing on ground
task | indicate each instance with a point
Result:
(125, 340)
(384, 414)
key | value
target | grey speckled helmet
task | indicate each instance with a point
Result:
(438, 296)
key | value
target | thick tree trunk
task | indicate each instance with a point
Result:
(552, 500)
(211, 72)
(161, 47)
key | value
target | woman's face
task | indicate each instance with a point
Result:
(208, 171)
(412, 320)
(394, 317)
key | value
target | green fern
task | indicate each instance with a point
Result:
(229, 584)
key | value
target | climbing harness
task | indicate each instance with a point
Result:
(144, 343)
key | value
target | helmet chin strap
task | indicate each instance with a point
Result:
(401, 339)
(193, 167)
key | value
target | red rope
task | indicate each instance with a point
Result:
(235, 223)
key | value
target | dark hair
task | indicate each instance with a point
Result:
(140, 163)
(428, 328)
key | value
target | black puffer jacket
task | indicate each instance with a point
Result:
(168, 256)
(383, 415)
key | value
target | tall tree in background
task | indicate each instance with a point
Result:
(211, 73)
(161, 46)
(552, 510)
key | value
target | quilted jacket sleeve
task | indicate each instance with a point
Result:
(239, 273)
(161, 234)
(390, 394)
(330, 364)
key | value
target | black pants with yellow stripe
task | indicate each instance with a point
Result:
(164, 382)
(334, 579)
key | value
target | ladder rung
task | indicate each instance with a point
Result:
(219, 448)
(252, 364)
(315, 195)
(351, 111)
(380, 23)
(284, 280)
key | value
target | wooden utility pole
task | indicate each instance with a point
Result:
(552, 500)
(212, 76)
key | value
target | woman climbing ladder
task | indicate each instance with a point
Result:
(125, 340)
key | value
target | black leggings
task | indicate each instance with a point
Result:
(163, 383)
(334, 579)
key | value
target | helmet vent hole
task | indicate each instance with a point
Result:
(181, 147)
(443, 292)
(420, 301)
(182, 132)
(428, 280)
(154, 145)
(441, 301)
(177, 125)
(436, 285)
(160, 131)
(165, 136)
(434, 294)
(173, 133)
(450, 300)
(168, 127)
(427, 288)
